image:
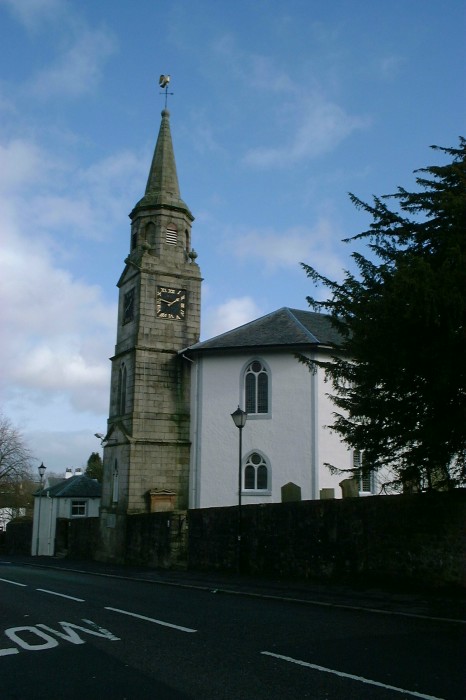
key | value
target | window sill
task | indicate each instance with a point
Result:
(253, 492)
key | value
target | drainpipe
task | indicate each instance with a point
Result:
(315, 434)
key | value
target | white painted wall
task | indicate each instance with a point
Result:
(300, 409)
(44, 537)
(43, 533)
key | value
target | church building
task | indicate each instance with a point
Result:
(171, 443)
(285, 441)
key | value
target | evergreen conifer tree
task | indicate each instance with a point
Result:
(399, 377)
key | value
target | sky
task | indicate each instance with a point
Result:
(279, 110)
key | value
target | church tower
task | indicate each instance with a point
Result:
(147, 445)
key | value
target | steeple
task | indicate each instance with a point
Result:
(162, 189)
(147, 453)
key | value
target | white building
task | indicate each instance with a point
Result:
(170, 442)
(286, 438)
(55, 506)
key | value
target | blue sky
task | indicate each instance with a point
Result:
(279, 110)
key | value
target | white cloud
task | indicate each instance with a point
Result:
(57, 330)
(263, 74)
(286, 249)
(229, 315)
(79, 68)
(22, 163)
(60, 367)
(254, 70)
(390, 67)
(82, 50)
(76, 213)
(311, 122)
(33, 13)
(316, 126)
(87, 203)
(114, 184)
(62, 449)
(203, 136)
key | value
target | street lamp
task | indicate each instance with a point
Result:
(41, 471)
(239, 419)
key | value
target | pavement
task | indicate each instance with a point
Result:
(442, 604)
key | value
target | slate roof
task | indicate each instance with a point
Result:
(279, 329)
(74, 487)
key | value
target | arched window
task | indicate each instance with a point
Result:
(150, 234)
(115, 484)
(121, 408)
(256, 388)
(364, 476)
(128, 306)
(134, 237)
(256, 473)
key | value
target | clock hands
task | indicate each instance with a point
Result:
(171, 303)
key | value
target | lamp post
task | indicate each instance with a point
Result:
(239, 419)
(41, 471)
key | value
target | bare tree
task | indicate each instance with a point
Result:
(15, 456)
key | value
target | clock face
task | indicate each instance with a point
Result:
(128, 306)
(171, 303)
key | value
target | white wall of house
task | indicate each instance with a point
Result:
(292, 437)
(44, 526)
(44, 529)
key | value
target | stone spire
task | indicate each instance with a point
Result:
(162, 189)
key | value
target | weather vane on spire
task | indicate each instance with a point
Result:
(163, 82)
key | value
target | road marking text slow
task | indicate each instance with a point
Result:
(39, 637)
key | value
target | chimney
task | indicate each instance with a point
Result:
(68, 473)
(78, 471)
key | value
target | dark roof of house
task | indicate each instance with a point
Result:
(74, 487)
(282, 328)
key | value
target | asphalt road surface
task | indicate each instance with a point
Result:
(65, 634)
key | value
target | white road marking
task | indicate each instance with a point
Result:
(47, 642)
(14, 583)
(349, 675)
(151, 619)
(70, 635)
(62, 595)
(69, 632)
(8, 652)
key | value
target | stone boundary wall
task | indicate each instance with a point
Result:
(413, 540)
(157, 539)
(83, 537)
(416, 539)
(18, 538)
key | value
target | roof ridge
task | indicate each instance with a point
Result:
(301, 325)
(233, 330)
(62, 488)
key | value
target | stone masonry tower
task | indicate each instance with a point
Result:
(147, 447)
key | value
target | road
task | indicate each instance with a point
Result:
(112, 638)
